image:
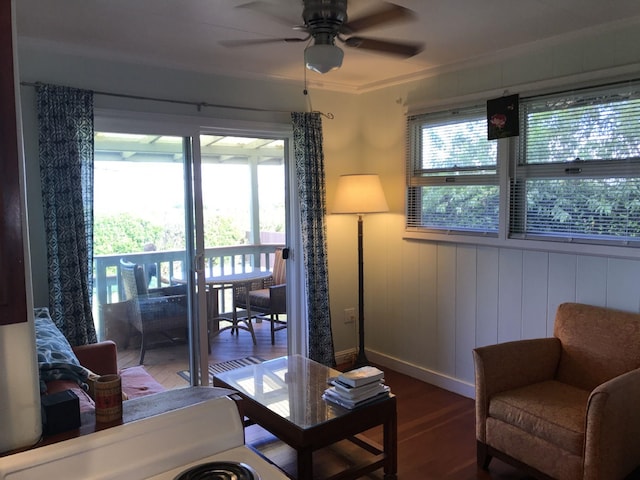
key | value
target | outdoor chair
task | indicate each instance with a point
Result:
(564, 407)
(267, 297)
(154, 313)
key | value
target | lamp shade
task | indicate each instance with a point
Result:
(323, 58)
(359, 194)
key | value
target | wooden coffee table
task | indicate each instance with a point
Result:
(284, 396)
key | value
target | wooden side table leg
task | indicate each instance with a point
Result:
(305, 464)
(390, 444)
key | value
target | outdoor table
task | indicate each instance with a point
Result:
(232, 280)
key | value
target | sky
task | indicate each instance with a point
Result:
(156, 190)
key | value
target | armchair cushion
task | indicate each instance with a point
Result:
(136, 382)
(269, 300)
(259, 299)
(269, 294)
(549, 410)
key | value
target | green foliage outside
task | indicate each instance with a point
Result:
(604, 204)
(467, 207)
(458, 145)
(220, 231)
(601, 206)
(584, 207)
(593, 132)
(124, 233)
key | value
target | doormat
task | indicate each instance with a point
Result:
(224, 367)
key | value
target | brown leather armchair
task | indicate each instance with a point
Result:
(565, 407)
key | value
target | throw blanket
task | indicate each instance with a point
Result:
(56, 359)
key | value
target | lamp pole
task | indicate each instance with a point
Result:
(361, 359)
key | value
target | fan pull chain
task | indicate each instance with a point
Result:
(305, 91)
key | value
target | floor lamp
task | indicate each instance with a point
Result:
(360, 194)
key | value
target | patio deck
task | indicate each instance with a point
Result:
(163, 363)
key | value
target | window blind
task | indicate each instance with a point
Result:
(577, 177)
(452, 181)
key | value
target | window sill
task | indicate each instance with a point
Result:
(568, 247)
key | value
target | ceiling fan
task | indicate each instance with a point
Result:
(326, 21)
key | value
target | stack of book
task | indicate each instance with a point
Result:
(357, 387)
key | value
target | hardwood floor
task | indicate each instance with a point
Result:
(436, 428)
(436, 438)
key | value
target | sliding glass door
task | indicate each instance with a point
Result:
(184, 206)
(145, 295)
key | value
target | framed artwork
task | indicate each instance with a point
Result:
(503, 118)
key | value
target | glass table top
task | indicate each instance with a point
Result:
(290, 386)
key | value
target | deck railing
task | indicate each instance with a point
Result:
(170, 264)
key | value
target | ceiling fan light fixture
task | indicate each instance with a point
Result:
(323, 58)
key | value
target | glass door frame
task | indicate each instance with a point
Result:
(191, 128)
(297, 331)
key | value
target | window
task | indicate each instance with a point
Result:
(572, 175)
(453, 184)
(577, 176)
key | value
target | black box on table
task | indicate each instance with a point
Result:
(60, 412)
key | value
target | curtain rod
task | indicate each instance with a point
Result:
(198, 105)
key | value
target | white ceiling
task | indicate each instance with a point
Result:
(185, 34)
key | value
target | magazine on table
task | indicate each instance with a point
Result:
(356, 393)
(330, 396)
(361, 376)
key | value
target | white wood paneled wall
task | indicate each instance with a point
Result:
(452, 298)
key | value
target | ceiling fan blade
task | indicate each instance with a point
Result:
(386, 14)
(260, 41)
(401, 49)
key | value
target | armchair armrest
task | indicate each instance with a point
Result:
(151, 300)
(240, 289)
(515, 364)
(168, 291)
(612, 449)
(511, 365)
(100, 358)
(278, 298)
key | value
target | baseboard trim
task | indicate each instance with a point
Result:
(451, 384)
(345, 356)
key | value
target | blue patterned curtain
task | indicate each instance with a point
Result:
(65, 117)
(307, 149)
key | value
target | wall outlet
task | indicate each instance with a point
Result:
(349, 315)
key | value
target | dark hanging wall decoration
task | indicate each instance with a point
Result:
(502, 117)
